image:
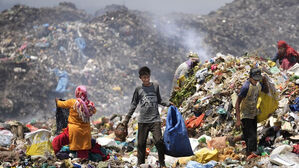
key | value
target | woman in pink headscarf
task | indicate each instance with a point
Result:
(78, 133)
(286, 55)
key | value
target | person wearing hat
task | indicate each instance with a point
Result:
(183, 71)
(246, 104)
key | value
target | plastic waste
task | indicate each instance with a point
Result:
(194, 144)
(5, 137)
(267, 103)
(205, 155)
(204, 139)
(193, 164)
(80, 43)
(108, 142)
(274, 70)
(31, 127)
(176, 139)
(40, 144)
(194, 122)
(42, 45)
(295, 107)
(217, 143)
(61, 118)
(62, 82)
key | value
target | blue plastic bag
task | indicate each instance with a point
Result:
(295, 107)
(193, 164)
(176, 138)
(62, 82)
(80, 43)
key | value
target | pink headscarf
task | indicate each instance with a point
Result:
(84, 107)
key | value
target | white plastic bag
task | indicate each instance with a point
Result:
(40, 144)
(5, 137)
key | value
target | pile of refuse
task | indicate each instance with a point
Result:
(206, 101)
(252, 25)
(49, 59)
(46, 52)
(244, 26)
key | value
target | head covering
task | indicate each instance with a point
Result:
(281, 44)
(256, 74)
(192, 55)
(289, 53)
(83, 106)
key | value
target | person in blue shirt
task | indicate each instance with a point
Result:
(246, 110)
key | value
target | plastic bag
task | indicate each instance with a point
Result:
(193, 164)
(205, 155)
(217, 143)
(40, 144)
(5, 137)
(195, 122)
(62, 82)
(80, 43)
(176, 139)
(267, 103)
(295, 107)
(61, 118)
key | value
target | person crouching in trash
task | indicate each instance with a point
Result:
(148, 95)
(246, 103)
(78, 133)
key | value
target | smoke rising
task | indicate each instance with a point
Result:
(191, 39)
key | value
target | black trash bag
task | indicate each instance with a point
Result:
(61, 118)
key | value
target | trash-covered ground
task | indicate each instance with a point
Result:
(48, 59)
(45, 52)
(206, 101)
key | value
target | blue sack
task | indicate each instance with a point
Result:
(176, 138)
(295, 107)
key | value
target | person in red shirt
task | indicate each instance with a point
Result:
(286, 55)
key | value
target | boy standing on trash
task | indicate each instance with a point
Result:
(246, 103)
(148, 96)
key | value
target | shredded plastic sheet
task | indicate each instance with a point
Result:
(40, 144)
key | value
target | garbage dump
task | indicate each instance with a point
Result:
(212, 101)
(118, 41)
(243, 26)
(53, 56)
(45, 57)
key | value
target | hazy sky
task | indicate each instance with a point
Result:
(156, 6)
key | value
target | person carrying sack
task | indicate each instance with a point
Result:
(148, 96)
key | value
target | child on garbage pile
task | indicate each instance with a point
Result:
(246, 103)
(78, 132)
(148, 95)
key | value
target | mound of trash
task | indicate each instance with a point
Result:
(69, 47)
(206, 102)
(104, 54)
(244, 26)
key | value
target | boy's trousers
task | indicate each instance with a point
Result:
(250, 134)
(143, 130)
